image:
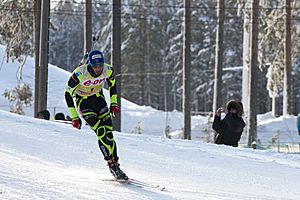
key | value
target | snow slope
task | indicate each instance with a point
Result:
(48, 160)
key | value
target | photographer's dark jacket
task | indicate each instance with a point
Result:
(229, 129)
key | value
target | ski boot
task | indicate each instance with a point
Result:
(116, 171)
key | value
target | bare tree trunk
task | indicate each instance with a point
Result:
(217, 102)
(37, 26)
(274, 111)
(252, 106)
(187, 71)
(116, 55)
(246, 60)
(287, 87)
(43, 60)
(148, 76)
(88, 26)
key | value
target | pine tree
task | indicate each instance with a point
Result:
(66, 35)
(16, 28)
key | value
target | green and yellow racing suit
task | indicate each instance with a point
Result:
(87, 92)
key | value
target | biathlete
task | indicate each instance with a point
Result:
(84, 90)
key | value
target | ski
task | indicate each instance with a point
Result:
(145, 184)
(137, 183)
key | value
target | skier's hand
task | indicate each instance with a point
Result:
(76, 122)
(219, 111)
(114, 109)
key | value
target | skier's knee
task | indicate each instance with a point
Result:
(110, 135)
(100, 132)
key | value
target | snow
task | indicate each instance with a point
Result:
(50, 160)
(42, 159)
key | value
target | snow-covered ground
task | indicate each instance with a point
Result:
(50, 160)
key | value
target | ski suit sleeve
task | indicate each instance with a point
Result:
(112, 87)
(218, 126)
(70, 88)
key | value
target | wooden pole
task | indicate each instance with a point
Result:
(37, 27)
(252, 106)
(287, 87)
(87, 26)
(217, 102)
(116, 55)
(43, 60)
(187, 71)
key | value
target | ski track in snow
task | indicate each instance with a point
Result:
(38, 179)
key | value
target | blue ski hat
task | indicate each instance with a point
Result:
(95, 57)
